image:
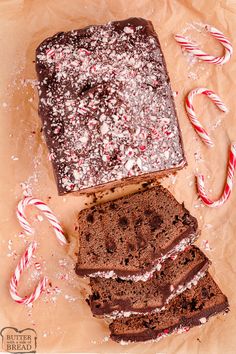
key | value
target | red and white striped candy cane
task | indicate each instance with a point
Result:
(84, 51)
(46, 211)
(228, 185)
(192, 115)
(194, 49)
(31, 248)
(17, 274)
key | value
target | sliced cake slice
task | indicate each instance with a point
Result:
(130, 237)
(189, 309)
(116, 297)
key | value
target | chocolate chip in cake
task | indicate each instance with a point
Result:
(90, 218)
(123, 222)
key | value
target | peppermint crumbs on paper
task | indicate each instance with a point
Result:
(106, 105)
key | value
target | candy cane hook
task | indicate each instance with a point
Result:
(31, 248)
(46, 211)
(228, 185)
(197, 52)
(192, 115)
(16, 278)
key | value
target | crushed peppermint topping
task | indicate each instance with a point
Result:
(203, 320)
(106, 105)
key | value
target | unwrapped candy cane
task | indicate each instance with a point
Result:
(228, 185)
(194, 49)
(192, 115)
(31, 248)
(17, 274)
(46, 211)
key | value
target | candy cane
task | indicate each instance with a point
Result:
(192, 115)
(194, 49)
(31, 248)
(17, 274)
(46, 211)
(84, 51)
(228, 185)
(50, 53)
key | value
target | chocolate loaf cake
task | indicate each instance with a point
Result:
(191, 308)
(107, 107)
(116, 297)
(130, 237)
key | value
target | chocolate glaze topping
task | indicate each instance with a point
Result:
(106, 105)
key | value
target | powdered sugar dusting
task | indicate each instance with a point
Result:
(107, 106)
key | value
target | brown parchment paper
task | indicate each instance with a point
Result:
(61, 317)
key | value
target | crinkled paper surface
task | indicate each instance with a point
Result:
(61, 317)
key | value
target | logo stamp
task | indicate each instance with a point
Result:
(19, 341)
